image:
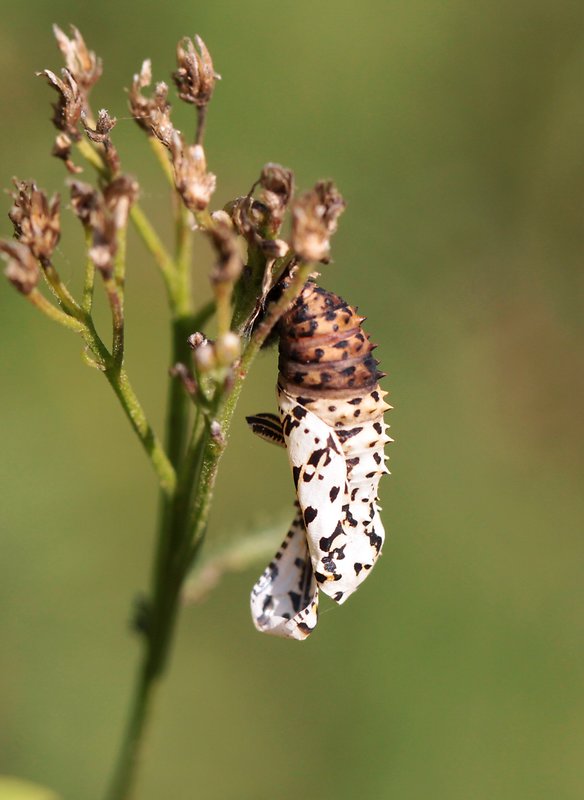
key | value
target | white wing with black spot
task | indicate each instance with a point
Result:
(320, 476)
(284, 601)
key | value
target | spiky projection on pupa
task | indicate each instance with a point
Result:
(331, 422)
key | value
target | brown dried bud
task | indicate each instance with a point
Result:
(101, 135)
(195, 77)
(277, 184)
(22, 268)
(85, 201)
(186, 377)
(194, 184)
(84, 65)
(104, 243)
(314, 220)
(36, 219)
(62, 150)
(70, 104)
(229, 264)
(151, 113)
(196, 339)
(104, 214)
(119, 195)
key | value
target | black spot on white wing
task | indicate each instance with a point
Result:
(310, 514)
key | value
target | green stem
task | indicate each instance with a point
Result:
(118, 380)
(39, 301)
(157, 249)
(89, 282)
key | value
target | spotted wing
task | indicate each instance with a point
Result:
(284, 601)
(320, 476)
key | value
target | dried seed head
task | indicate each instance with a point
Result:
(104, 243)
(195, 77)
(36, 219)
(151, 113)
(85, 202)
(277, 185)
(119, 195)
(104, 214)
(83, 64)
(314, 220)
(196, 339)
(70, 104)
(22, 268)
(194, 184)
(62, 150)
(229, 264)
(101, 135)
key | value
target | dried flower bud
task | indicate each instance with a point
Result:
(194, 184)
(314, 220)
(277, 184)
(62, 150)
(85, 202)
(83, 64)
(104, 243)
(227, 348)
(151, 113)
(36, 219)
(22, 268)
(104, 214)
(195, 77)
(119, 195)
(196, 339)
(229, 264)
(101, 135)
(186, 377)
(70, 104)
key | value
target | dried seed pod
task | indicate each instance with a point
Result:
(195, 77)
(331, 416)
(70, 104)
(151, 113)
(81, 62)
(314, 220)
(194, 184)
(22, 268)
(36, 219)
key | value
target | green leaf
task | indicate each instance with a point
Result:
(17, 789)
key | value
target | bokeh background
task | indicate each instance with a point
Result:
(455, 131)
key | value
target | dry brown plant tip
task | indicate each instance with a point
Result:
(277, 185)
(101, 135)
(62, 149)
(71, 102)
(85, 202)
(194, 184)
(22, 268)
(195, 77)
(36, 219)
(85, 67)
(314, 220)
(151, 113)
(229, 264)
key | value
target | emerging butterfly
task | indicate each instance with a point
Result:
(331, 423)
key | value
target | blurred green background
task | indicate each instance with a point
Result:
(455, 130)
